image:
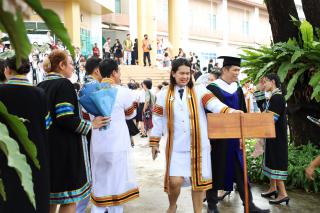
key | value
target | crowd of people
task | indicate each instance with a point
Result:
(62, 134)
(86, 156)
(123, 52)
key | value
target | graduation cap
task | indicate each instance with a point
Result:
(230, 61)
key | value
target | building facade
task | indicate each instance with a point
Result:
(81, 18)
(207, 27)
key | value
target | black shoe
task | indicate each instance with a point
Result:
(255, 209)
(213, 210)
(144, 136)
(270, 194)
(224, 195)
(285, 199)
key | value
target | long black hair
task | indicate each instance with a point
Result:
(275, 77)
(24, 67)
(174, 68)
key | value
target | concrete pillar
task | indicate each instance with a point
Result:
(256, 25)
(72, 20)
(96, 31)
(178, 29)
(225, 24)
(133, 20)
(147, 24)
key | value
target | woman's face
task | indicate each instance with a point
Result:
(67, 69)
(182, 76)
(268, 85)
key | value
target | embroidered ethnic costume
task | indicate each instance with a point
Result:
(69, 165)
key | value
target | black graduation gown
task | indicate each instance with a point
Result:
(220, 148)
(30, 103)
(276, 149)
(69, 162)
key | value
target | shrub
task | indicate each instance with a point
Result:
(298, 159)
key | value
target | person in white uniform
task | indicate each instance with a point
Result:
(182, 107)
(113, 180)
(93, 76)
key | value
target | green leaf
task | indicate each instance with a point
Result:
(295, 21)
(2, 191)
(292, 83)
(283, 70)
(21, 132)
(17, 33)
(292, 42)
(1, 26)
(315, 79)
(264, 70)
(283, 54)
(17, 161)
(306, 30)
(296, 55)
(317, 32)
(316, 93)
(53, 22)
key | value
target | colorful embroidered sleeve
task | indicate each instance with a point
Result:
(276, 106)
(157, 110)
(84, 127)
(129, 103)
(158, 121)
(63, 109)
(206, 98)
(261, 99)
(66, 112)
(213, 104)
(259, 95)
(48, 120)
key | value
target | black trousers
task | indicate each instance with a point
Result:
(212, 194)
(146, 55)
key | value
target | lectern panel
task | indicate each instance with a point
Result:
(255, 125)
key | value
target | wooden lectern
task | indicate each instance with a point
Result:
(246, 125)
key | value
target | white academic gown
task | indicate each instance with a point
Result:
(113, 181)
(186, 138)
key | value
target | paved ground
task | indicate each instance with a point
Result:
(154, 200)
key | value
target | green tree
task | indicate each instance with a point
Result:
(294, 55)
(279, 18)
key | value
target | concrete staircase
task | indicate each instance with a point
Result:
(140, 73)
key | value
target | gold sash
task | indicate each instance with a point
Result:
(198, 182)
